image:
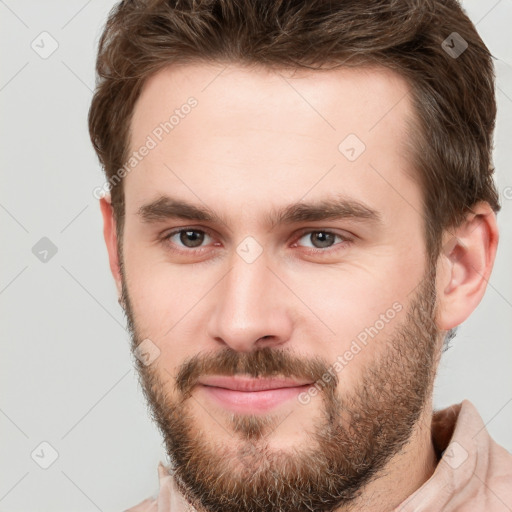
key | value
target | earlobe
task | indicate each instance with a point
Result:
(465, 266)
(110, 236)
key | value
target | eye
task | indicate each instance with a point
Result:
(195, 240)
(189, 238)
(322, 239)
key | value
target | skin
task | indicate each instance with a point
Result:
(256, 142)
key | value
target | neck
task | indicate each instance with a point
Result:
(403, 475)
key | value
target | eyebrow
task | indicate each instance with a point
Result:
(166, 207)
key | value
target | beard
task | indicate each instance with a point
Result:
(355, 433)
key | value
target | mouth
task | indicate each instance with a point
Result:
(243, 394)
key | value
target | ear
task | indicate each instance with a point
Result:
(465, 265)
(110, 235)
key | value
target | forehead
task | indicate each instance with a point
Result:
(230, 131)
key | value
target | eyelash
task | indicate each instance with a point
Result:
(311, 250)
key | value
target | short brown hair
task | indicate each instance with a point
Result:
(453, 95)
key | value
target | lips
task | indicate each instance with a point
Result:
(248, 395)
(248, 384)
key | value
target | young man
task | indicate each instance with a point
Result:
(301, 211)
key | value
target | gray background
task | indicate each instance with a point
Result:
(65, 369)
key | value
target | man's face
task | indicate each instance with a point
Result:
(261, 289)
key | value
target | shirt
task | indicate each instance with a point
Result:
(474, 473)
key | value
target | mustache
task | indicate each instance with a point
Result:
(264, 362)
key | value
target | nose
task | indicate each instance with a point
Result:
(252, 309)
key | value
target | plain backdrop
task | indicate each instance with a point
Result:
(66, 375)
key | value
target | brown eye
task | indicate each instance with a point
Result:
(189, 238)
(321, 239)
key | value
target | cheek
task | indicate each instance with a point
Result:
(342, 302)
(349, 316)
(154, 286)
(167, 299)
(164, 304)
(161, 297)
